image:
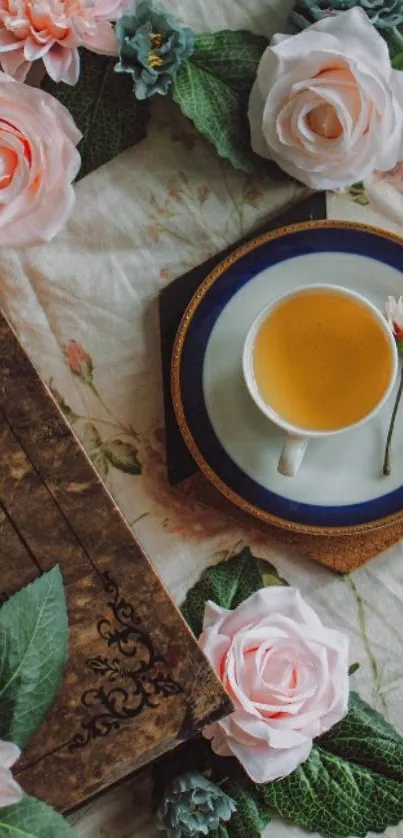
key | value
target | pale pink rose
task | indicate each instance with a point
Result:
(10, 791)
(53, 30)
(38, 162)
(327, 105)
(286, 673)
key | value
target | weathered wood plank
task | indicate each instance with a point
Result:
(13, 555)
(137, 683)
(34, 512)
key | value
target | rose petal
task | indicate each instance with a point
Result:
(10, 792)
(9, 754)
(264, 764)
(102, 39)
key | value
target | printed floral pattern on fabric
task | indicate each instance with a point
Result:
(114, 447)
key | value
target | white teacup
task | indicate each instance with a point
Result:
(297, 438)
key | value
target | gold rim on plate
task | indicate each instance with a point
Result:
(203, 465)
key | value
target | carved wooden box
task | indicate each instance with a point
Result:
(137, 683)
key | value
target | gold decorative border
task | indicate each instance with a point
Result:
(188, 315)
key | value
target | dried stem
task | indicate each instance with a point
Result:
(386, 462)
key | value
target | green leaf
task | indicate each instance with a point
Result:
(337, 798)
(92, 443)
(228, 584)
(232, 55)
(33, 655)
(365, 738)
(353, 668)
(104, 109)
(397, 61)
(212, 89)
(269, 573)
(122, 455)
(33, 819)
(250, 817)
(61, 401)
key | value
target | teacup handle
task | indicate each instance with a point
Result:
(292, 454)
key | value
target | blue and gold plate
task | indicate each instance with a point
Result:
(340, 487)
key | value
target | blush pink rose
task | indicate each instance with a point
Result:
(10, 791)
(286, 673)
(327, 105)
(53, 30)
(38, 162)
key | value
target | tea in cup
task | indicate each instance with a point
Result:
(318, 361)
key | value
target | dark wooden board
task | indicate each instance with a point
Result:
(137, 683)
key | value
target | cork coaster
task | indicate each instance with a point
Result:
(342, 554)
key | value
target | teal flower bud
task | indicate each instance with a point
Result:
(193, 806)
(152, 46)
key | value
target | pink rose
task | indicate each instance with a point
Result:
(327, 105)
(10, 791)
(53, 30)
(286, 673)
(38, 162)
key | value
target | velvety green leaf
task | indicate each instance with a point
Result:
(33, 655)
(122, 455)
(33, 819)
(104, 109)
(397, 61)
(269, 573)
(227, 584)
(365, 738)
(212, 89)
(232, 55)
(250, 817)
(337, 798)
(92, 443)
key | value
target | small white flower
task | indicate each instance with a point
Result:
(394, 314)
(10, 791)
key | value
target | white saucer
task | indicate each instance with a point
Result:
(340, 484)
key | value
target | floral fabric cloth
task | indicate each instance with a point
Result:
(85, 308)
